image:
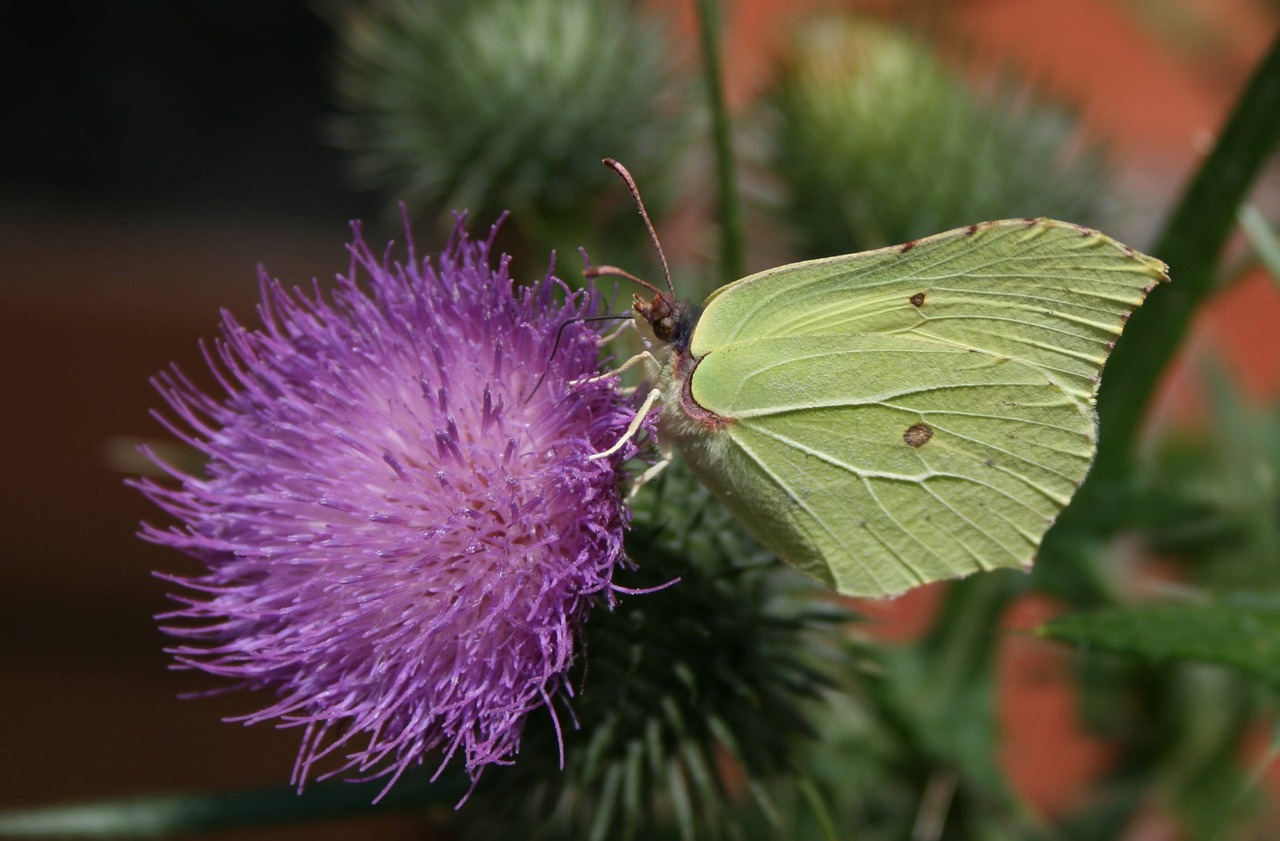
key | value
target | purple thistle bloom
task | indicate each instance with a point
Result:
(401, 534)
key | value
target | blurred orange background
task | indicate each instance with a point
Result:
(101, 286)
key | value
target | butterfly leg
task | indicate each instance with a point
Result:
(634, 427)
(643, 356)
(622, 328)
(649, 474)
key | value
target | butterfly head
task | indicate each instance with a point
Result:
(670, 320)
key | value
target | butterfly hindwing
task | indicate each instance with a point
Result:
(879, 463)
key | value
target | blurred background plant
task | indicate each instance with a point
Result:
(879, 140)
(509, 105)
(743, 702)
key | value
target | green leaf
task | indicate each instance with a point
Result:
(1244, 638)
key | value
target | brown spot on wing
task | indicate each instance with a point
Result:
(917, 435)
(917, 300)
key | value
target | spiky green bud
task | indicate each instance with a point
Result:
(689, 698)
(498, 105)
(879, 142)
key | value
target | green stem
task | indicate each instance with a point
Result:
(942, 698)
(964, 638)
(729, 208)
(1191, 244)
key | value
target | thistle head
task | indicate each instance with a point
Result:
(880, 141)
(505, 104)
(400, 528)
(689, 692)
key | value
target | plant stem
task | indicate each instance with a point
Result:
(966, 634)
(1191, 243)
(729, 210)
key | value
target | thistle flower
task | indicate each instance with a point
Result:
(694, 697)
(401, 529)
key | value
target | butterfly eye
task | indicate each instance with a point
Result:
(665, 328)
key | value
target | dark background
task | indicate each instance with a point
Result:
(151, 154)
(191, 104)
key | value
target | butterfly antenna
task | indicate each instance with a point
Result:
(556, 346)
(653, 235)
(614, 271)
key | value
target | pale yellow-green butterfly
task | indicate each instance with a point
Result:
(887, 419)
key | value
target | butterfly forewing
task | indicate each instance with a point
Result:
(1047, 293)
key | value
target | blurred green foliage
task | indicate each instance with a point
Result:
(507, 105)
(1247, 638)
(880, 141)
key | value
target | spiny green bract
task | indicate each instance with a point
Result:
(688, 698)
(878, 142)
(498, 105)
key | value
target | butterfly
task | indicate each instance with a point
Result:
(890, 418)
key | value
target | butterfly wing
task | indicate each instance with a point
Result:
(902, 416)
(878, 463)
(1047, 293)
